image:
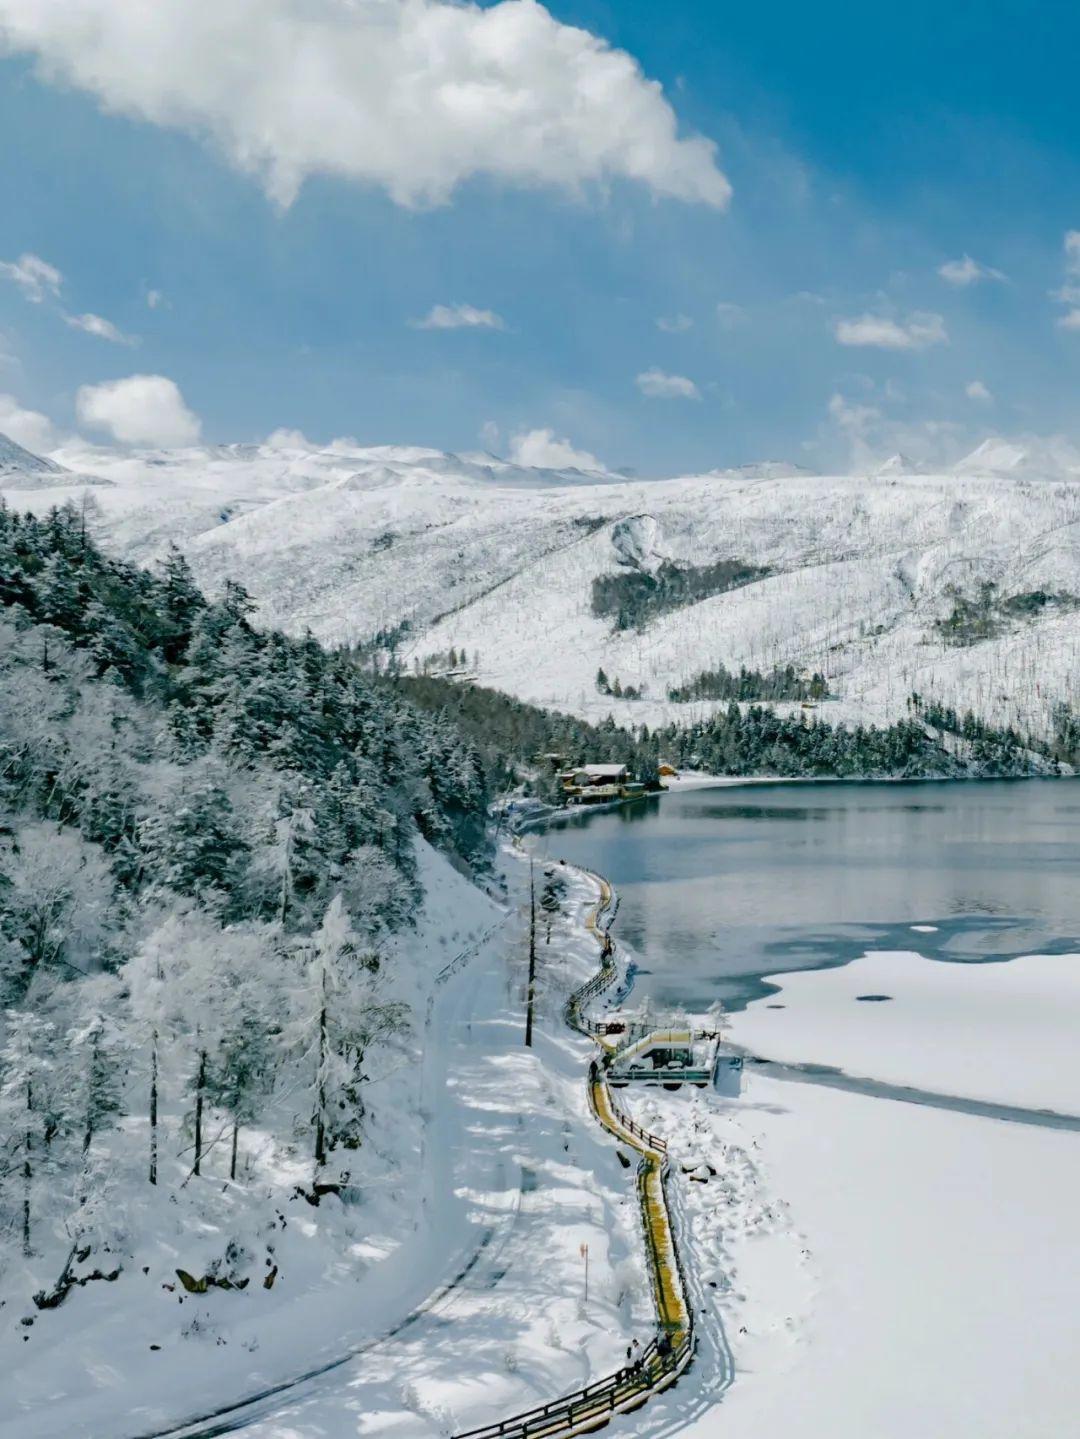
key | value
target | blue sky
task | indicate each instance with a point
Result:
(866, 148)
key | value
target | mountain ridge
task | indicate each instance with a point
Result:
(873, 580)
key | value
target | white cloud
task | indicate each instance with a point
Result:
(34, 276)
(729, 315)
(285, 439)
(139, 410)
(967, 272)
(656, 385)
(155, 299)
(103, 329)
(674, 324)
(541, 449)
(1070, 320)
(459, 317)
(416, 95)
(872, 436)
(915, 333)
(489, 435)
(852, 417)
(29, 428)
(976, 390)
(1072, 251)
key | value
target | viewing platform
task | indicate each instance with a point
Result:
(669, 1057)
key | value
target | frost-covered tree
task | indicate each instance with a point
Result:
(25, 1071)
(191, 842)
(55, 896)
(335, 1015)
(96, 1051)
(288, 862)
(154, 979)
(247, 999)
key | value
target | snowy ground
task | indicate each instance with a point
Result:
(484, 556)
(517, 1330)
(910, 1272)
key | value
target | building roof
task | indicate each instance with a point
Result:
(607, 771)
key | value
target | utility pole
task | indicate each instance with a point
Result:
(532, 957)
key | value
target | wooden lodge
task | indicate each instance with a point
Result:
(599, 784)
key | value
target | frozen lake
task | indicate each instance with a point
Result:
(721, 886)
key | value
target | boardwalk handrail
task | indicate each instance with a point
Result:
(607, 1394)
(652, 1141)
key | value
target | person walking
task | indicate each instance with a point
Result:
(635, 1356)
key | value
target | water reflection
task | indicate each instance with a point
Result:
(720, 887)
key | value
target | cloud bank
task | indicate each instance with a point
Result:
(967, 272)
(654, 384)
(415, 96)
(34, 276)
(541, 449)
(29, 428)
(915, 333)
(139, 410)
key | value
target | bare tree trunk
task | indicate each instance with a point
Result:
(153, 1107)
(286, 878)
(200, 1085)
(28, 1173)
(320, 1097)
(88, 1130)
(235, 1138)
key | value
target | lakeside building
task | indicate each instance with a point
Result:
(670, 1057)
(599, 784)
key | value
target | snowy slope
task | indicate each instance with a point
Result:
(482, 555)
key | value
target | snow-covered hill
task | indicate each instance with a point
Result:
(497, 560)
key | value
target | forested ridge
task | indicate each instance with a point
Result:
(207, 839)
(741, 739)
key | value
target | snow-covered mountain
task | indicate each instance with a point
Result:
(475, 554)
(17, 465)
